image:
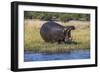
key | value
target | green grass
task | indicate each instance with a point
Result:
(33, 41)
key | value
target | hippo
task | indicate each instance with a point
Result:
(53, 32)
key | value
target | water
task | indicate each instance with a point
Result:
(80, 54)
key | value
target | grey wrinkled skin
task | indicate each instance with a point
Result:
(54, 32)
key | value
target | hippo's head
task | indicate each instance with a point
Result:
(67, 33)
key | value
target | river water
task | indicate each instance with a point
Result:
(79, 54)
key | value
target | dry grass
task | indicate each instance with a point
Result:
(34, 42)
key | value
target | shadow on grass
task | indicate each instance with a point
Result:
(73, 42)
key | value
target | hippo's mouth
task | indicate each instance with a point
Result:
(68, 36)
(68, 33)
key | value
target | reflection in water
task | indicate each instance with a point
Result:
(79, 54)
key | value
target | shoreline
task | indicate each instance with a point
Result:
(68, 51)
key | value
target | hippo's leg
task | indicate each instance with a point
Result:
(59, 41)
